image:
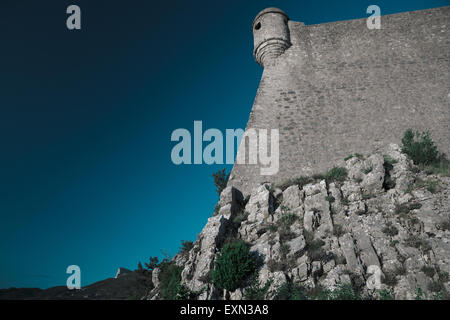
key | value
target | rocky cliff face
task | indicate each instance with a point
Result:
(384, 220)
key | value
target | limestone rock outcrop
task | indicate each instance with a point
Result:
(382, 220)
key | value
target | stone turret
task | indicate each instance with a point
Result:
(339, 88)
(271, 35)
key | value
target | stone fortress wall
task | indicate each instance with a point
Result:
(338, 88)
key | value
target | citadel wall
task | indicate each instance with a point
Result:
(340, 88)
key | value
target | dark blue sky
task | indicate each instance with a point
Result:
(86, 116)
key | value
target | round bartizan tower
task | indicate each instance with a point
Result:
(271, 35)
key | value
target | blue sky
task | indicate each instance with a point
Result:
(86, 117)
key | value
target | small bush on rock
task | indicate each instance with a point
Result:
(300, 181)
(441, 167)
(152, 264)
(436, 286)
(445, 225)
(385, 294)
(419, 147)
(232, 266)
(336, 174)
(390, 230)
(220, 180)
(273, 265)
(314, 246)
(186, 246)
(183, 293)
(255, 291)
(344, 292)
(416, 242)
(241, 216)
(388, 159)
(169, 280)
(429, 271)
(292, 291)
(341, 292)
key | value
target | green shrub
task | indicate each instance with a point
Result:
(314, 246)
(441, 167)
(336, 174)
(186, 246)
(415, 205)
(169, 280)
(284, 224)
(390, 230)
(403, 209)
(318, 176)
(443, 276)
(400, 271)
(273, 265)
(368, 170)
(311, 243)
(436, 286)
(216, 209)
(152, 264)
(284, 264)
(344, 292)
(255, 291)
(385, 294)
(232, 266)
(416, 242)
(432, 186)
(444, 225)
(300, 181)
(220, 180)
(286, 234)
(422, 151)
(284, 249)
(409, 188)
(183, 293)
(287, 219)
(420, 295)
(442, 294)
(341, 292)
(390, 279)
(429, 271)
(292, 291)
(389, 160)
(140, 269)
(348, 157)
(241, 216)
